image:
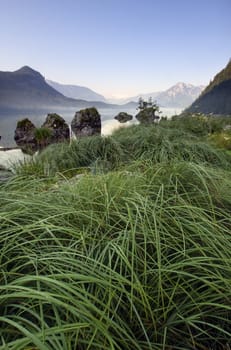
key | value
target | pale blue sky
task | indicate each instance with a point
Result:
(117, 47)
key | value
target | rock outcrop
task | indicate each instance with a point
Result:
(59, 129)
(31, 139)
(25, 136)
(86, 122)
(123, 117)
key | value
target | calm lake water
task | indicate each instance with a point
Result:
(8, 122)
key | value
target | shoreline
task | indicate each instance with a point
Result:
(8, 148)
(10, 156)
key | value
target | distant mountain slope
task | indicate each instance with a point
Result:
(26, 89)
(180, 95)
(223, 75)
(77, 92)
(216, 97)
(135, 98)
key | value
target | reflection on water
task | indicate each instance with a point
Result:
(8, 123)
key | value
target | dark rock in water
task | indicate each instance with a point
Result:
(25, 137)
(147, 116)
(123, 117)
(31, 139)
(59, 129)
(86, 122)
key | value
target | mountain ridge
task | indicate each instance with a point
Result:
(216, 97)
(223, 75)
(26, 86)
(77, 91)
(26, 89)
(179, 95)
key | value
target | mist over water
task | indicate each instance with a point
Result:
(8, 122)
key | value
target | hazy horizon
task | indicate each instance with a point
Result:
(117, 48)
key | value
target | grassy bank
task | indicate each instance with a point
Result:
(132, 253)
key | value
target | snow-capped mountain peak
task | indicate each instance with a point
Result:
(184, 89)
(179, 95)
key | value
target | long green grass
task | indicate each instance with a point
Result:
(138, 258)
(164, 144)
(120, 242)
(97, 154)
(156, 144)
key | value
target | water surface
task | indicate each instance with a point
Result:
(8, 122)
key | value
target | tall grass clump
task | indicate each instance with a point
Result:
(198, 124)
(96, 153)
(159, 144)
(139, 139)
(139, 142)
(132, 259)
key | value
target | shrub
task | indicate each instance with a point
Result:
(221, 140)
